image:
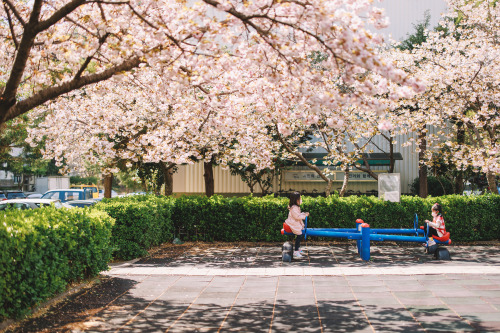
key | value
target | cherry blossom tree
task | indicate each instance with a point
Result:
(189, 79)
(132, 122)
(461, 66)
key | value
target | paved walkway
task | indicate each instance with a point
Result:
(248, 289)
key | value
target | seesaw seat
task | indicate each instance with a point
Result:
(286, 229)
(445, 239)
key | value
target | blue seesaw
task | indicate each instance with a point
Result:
(363, 235)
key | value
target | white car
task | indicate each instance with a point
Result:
(113, 194)
(31, 204)
(470, 189)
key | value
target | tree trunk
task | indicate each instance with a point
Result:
(21, 183)
(392, 161)
(459, 180)
(422, 168)
(328, 188)
(251, 186)
(209, 178)
(168, 176)
(144, 186)
(492, 183)
(344, 184)
(108, 182)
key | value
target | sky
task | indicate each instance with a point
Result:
(403, 14)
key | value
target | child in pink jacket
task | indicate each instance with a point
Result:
(295, 221)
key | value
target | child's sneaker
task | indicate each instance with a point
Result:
(296, 254)
(302, 251)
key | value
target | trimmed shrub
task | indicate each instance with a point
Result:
(146, 221)
(229, 219)
(141, 222)
(43, 250)
(468, 218)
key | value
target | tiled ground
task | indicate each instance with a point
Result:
(221, 290)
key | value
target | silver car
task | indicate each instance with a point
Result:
(81, 203)
(31, 204)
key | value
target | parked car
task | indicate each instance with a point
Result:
(34, 195)
(470, 189)
(132, 194)
(113, 194)
(81, 203)
(31, 204)
(15, 195)
(2, 197)
(68, 194)
(93, 188)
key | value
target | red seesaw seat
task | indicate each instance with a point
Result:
(286, 228)
(443, 239)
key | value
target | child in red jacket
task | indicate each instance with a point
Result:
(436, 227)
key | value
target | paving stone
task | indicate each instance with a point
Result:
(378, 301)
(371, 289)
(404, 287)
(335, 296)
(487, 326)
(414, 294)
(482, 316)
(453, 293)
(295, 324)
(462, 300)
(444, 325)
(429, 309)
(341, 324)
(487, 293)
(293, 310)
(344, 312)
(474, 308)
(246, 327)
(420, 301)
(254, 294)
(405, 327)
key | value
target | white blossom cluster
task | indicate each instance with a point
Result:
(460, 65)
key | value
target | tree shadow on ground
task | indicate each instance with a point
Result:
(331, 255)
(112, 305)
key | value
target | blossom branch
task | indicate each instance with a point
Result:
(300, 156)
(11, 27)
(15, 12)
(56, 91)
(87, 61)
(61, 13)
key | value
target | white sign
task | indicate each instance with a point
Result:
(389, 187)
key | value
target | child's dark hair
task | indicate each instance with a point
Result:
(437, 207)
(294, 199)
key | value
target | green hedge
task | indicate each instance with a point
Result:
(141, 222)
(43, 250)
(468, 218)
(145, 221)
